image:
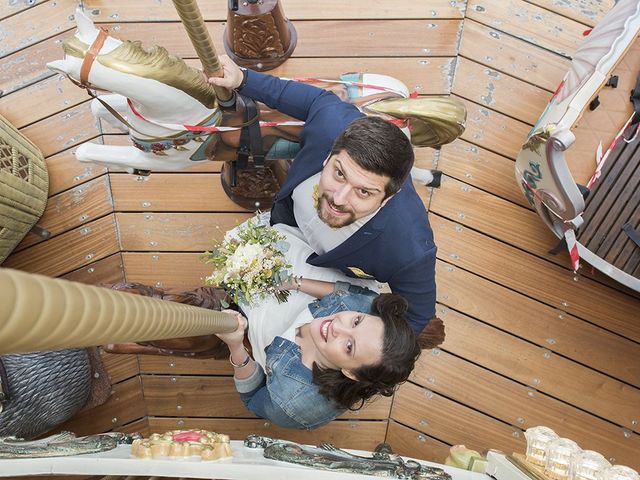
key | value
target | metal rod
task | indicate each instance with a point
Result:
(199, 35)
(41, 313)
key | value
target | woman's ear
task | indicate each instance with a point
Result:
(349, 374)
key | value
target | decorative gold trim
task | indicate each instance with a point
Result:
(538, 138)
(433, 121)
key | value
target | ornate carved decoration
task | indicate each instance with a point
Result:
(383, 463)
(62, 444)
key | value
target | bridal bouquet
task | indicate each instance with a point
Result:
(250, 264)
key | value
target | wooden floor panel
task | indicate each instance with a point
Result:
(505, 53)
(529, 22)
(499, 91)
(517, 404)
(543, 325)
(528, 342)
(483, 169)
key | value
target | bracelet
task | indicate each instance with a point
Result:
(244, 79)
(243, 364)
(298, 281)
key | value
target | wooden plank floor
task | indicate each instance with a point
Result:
(528, 342)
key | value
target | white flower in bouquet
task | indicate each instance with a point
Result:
(250, 264)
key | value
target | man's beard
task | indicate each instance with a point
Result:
(334, 222)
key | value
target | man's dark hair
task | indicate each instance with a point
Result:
(400, 351)
(379, 147)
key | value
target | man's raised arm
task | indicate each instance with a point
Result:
(292, 98)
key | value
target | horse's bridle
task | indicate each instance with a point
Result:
(91, 55)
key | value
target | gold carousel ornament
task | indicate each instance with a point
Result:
(258, 35)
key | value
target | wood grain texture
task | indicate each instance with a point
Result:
(483, 169)
(427, 75)
(66, 172)
(120, 366)
(494, 131)
(125, 405)
(158, 364)
(167, 192)
(371, 39)
(359, 434)
(539, 368)
(107, 271)
(168, 270)
(505, 292)
(507, 400)
(529, 22)
(205, 396)
(367, 38)
(27, 67)
(175, 231)
(411, 443)
(63, 130)
(69, 251)
(147, 10)
(452, 423)
(536, 278)
(9, 8)
(589, 12)
(36, 24)
(39, 100)
(138, 426)
(547, 327)
(499, 91)
(518, 58)
(496, 217)
(75, 207)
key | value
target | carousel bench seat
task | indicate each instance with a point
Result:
(604, 229)
(614, 203)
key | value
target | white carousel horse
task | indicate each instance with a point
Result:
(158, 100)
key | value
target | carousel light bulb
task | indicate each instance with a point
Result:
(558, 458)
(537, 440)
(587, 465)
(618, 472)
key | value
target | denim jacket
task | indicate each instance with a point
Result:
(286, 395)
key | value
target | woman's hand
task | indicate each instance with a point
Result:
(232, 77)
(237, 336)
(288, 284)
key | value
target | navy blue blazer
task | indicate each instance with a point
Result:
(395, 246)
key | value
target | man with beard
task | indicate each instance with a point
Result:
(349, 190)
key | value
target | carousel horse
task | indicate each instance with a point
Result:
(174, 121)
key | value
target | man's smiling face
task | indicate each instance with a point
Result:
(347, 192)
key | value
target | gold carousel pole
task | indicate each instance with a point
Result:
(199, 35)
(41, 313)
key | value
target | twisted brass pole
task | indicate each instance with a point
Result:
(199, 35)
(41, 313)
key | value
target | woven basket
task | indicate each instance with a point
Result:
(24, 185)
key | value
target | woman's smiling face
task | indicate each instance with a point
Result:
(347, 340)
